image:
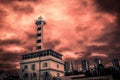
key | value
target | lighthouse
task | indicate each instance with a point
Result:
(40, 23)
(34, 65)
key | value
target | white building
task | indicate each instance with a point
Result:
(33, 65)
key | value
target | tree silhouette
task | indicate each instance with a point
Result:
(48, 76)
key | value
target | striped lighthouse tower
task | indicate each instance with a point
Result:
(40, 23)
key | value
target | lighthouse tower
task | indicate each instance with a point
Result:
(40, 23)
(34, 65)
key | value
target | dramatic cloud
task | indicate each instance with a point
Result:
(9, 59)
(78, 29)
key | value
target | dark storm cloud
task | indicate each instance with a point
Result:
(30, 0)
(3, 13)
(6, 1)
(31, 36)
(80, 42)
(78, 29)
(29, 47)
(111, 33)
(111, 49)
(62, 49)
(112, 6)
(1, 49)
(84, 54)
(52, 44)
(23, 8)
(112, 41)
(8, 59)
(98, 48)
(13, 1)
(30, 43)
(7, 66)
(111, 38)
(8, 56)
(116, 55)
(10, 42)
(84, 3)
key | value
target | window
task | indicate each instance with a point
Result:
(58, 74)
(34, 75)
(39, 34)
(35, 55)
(39, 40)
(23, 57)
(25, 67)
(39, 28)
(38, 47)
(26, 75)
(28, 56)
(22, 70)
(46, 73)
(57, 65)
(32, 56)
(47, 54)
(33, 66)
(45, 64)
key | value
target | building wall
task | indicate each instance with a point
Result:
(56, 72)
(55, 64)
(52, 63)
(41, 59)
(29, 70)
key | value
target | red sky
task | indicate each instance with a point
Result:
(78, 29)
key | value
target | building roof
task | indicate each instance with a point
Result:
(41, 54)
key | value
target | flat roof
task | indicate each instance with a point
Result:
(41, 52)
